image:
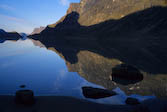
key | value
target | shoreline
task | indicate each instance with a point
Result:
(58, 104)
(71, 104)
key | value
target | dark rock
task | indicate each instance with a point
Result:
(132, 101)
(96, 93)
(22, 86)
(126, 74)
(25, 97)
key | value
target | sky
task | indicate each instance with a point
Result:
(25, 15)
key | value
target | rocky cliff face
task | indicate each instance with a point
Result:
(109, 18)
(96, 11)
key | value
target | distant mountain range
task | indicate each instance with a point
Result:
(9, 35)
(24, 36)
(37, 30)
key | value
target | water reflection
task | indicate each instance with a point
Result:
(41, 70)
(38, 67)
(98, 69)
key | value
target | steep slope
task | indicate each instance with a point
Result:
(96, 11)
(150, 22)
(109, 18)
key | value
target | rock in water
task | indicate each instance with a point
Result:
(126, 74)
(96, 93)
(132, 101)
(22, 86)
(25, 97)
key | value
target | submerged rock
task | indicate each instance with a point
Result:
(22, 86)
(126, 74)
(25, 97)
(96, 93)
(132, 101)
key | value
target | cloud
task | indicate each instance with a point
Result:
(64, 2)
(12, 18)
(6, 7)
(11, 23)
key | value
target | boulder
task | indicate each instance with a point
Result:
(96, 93)
(132, 101)
(22, 86)
(25, 97)
(126, 74)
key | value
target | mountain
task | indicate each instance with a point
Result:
(96, 11)
(111, 18)
(24, 36)
(9, 35)
(37, 30)
(2, 31)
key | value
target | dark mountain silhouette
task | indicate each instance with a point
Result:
(37, 30)
(2, 31)
(9, 36)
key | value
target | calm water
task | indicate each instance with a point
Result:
(29, 63)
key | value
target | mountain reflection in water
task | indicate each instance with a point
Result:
(33, 64)
(95, 63)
